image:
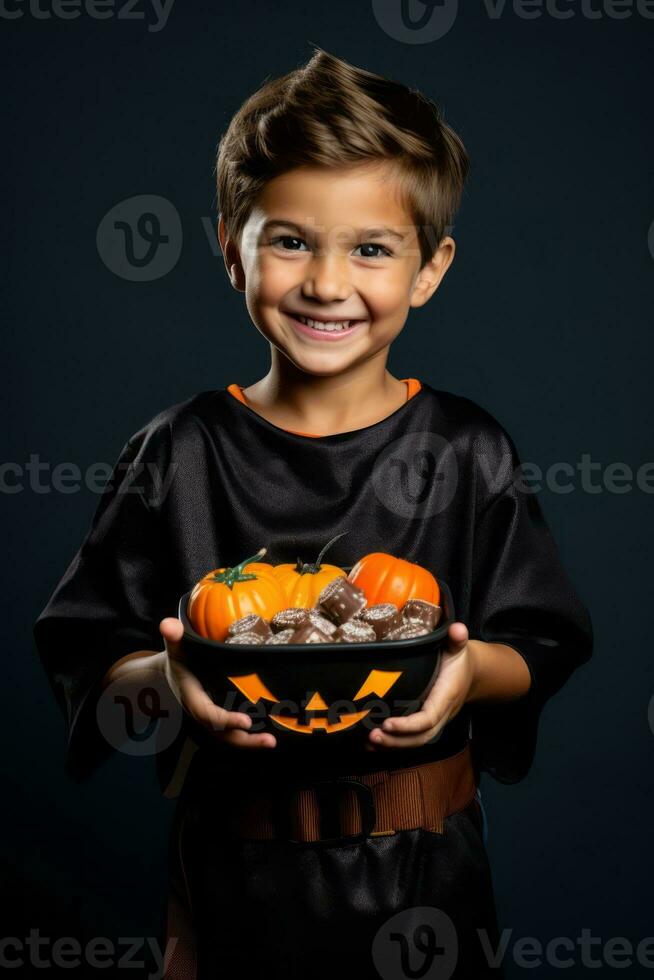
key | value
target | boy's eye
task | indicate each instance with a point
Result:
(287, 238)
(385, 251)
(294, 248)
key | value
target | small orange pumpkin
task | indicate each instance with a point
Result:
(304, 581)
(384, 578)
(227, 594)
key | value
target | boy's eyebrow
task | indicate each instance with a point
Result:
(361, 232)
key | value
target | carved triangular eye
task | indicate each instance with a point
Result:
(378, 682)
(253, 688)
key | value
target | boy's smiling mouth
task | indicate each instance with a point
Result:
(321, 327)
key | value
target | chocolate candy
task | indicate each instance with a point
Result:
(309, 633)
(289, 618)
(252, 623)
(421, 611)
(340, 600)
(407, 631)
(245, 638)
(383, 617)
(321, 622)
(284, 636)
(354, 631)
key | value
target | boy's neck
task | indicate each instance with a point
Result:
(293, 399)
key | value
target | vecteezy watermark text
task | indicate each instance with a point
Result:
(146, 480)
(563, 477)
(66, 952)
(138, 10)
(406, 464)
(424, 21)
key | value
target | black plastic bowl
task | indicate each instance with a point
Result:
(318, 690)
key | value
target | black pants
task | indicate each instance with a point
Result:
(414, 904)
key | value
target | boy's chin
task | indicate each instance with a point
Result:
(320, 365)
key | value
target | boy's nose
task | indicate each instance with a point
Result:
(327, 278)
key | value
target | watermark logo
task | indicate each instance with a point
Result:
(417, 942)
(140, 239)
(415, 21)
(416, 475)
(141, 723)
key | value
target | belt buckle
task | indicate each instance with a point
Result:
(282, 818)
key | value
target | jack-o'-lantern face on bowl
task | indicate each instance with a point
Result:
(317, 689)
(316, 715)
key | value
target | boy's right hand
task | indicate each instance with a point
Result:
(229, 727)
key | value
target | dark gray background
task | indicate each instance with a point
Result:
(542, 320)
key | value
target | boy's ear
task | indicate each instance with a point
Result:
(430, 276)
(231, 257)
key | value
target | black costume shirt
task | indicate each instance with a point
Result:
(208, 482)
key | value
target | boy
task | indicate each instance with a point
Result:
(336, 187)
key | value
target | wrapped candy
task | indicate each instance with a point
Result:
(421, 611)
(339, 601)
(355, 631)
(289, 618)
(252, 623)
(383, 617)
(245, 638)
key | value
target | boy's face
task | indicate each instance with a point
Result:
(314, 246)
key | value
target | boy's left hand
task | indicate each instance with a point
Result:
(445, 699)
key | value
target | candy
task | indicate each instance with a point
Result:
(421, 611)
(354, 631)
(250, 624)
(284, 636)
(321, 622)
(340, 600)
(292, 617)
(383, 617)
(308, 633)
(341, 615)
(245, 638)
(408, 631)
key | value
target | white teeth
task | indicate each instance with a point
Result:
(319, 325)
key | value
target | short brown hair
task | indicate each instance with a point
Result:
(332, 114)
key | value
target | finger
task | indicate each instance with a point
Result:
(199, 704)
(244, 740)
(405, 741)
(429, 715)
(457, 637)
(172, 631)
(369, 745)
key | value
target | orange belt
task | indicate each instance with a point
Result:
(353, 807)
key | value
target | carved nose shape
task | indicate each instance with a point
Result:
(316, 703)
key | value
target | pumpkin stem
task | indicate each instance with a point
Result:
(229, 576)
(307, 567)
(328, 545)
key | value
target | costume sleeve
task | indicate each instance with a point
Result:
(111, 599)
(521, 596)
